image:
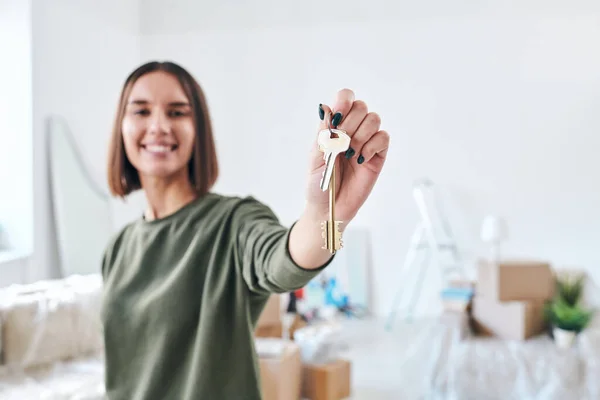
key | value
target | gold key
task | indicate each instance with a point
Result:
(332, 142)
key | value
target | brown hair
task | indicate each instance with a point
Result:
(203, 167)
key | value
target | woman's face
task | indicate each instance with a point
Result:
(158, 127)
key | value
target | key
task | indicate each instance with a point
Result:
(332, 147)
(331, 233)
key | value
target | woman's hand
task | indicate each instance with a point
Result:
(358, 169)
(356, 174)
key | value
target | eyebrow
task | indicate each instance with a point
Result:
(172, 104)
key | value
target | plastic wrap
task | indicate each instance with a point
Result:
(81, 379)
(320, 344)
(270, 347)
(467, 367)
(52, 340)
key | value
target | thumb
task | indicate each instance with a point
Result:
(325, 115)
(316, 157)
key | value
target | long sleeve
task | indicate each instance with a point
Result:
(174, 291)
(263, 253)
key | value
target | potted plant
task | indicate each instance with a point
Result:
(566, 321)
(570, 288)
(564, 313)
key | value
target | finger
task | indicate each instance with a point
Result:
(325, 113)
(375, 148)
(356, 115)
(342, 106)
(368, 128)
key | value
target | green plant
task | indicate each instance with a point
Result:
(565, 316)
(570, 290)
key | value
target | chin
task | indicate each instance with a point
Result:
(162, 171)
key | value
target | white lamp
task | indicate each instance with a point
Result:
(493, 232)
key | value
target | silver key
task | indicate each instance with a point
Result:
(331, 146)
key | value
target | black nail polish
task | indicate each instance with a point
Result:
(349, 153)
(361, 159)
(337, 118)
(321, 112)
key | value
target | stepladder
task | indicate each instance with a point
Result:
(432, 243)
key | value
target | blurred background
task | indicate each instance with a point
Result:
(496, 102)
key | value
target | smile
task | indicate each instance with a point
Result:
(159, 148)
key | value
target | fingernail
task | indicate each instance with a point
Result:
(349, 153)
(337, 118)
(321, 112)
(361, 159)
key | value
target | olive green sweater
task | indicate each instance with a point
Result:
(182, 295)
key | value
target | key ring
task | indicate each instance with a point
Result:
(329, 123)
(332, 132)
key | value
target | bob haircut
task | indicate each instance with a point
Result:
(203, 167)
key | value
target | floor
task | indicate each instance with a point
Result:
(387, 364)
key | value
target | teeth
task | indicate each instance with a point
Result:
(154, 148)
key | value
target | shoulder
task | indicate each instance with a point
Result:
(250, 209)
(119, 236)
(242, 208)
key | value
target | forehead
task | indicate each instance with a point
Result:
(157, 86)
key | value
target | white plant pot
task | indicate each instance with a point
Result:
(563, 339)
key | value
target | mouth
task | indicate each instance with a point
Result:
(159, 148)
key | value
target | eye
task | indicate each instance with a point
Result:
(177, 113)
(142, 111)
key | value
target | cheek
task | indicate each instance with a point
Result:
(131, 135)
(129, 128)
(187, 135)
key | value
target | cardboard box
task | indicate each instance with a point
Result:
(277, 331)
(271, 314)
(269, 331)
(456, 306)
(327, 382)
(298, 323)
(514, 320)
(281, 376)
(457, 298)
(515, 280)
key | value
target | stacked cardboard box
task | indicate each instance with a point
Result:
(509, 298)
(269, 323)
(283, 375)
(457, 296)
(281, 372)
(330, 381)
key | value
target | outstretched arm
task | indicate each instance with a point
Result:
(306, 243)
(277, 259)
(264, 250)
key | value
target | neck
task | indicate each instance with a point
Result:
(166, 196)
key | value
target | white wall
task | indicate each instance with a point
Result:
(82, 52)
(16, 154)
(470, 94)
(498, 103)
(16, 208)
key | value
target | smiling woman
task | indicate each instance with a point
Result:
(185, 284)
(160, 97)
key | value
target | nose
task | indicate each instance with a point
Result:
(158, 124)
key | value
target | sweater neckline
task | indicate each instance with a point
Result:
(179, 213)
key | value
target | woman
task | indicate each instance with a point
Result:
(186, 283)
